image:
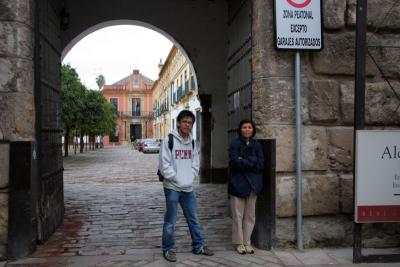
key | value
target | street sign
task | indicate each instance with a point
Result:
(298, 24)
(377, 174)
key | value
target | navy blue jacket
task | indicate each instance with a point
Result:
(246, 165)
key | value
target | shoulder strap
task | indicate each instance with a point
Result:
(170, 142)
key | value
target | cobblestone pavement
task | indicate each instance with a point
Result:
(114, 212)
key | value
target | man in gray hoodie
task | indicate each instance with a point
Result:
(180, 166)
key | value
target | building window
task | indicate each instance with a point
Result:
(136, 107)
(114, 101)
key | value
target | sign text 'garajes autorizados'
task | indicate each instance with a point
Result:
(377, 192)
(298, 24)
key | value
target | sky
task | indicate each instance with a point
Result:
(116, 51)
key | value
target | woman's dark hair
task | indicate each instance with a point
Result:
(185, 113)
(246, 121)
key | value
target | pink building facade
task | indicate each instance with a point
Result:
(133, 100)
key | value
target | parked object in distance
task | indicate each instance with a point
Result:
(151, 146)
(139, 144)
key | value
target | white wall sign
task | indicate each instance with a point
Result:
(377, 192)
(298, 24)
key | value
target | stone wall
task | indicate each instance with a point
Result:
(17, 118)
(327, 114)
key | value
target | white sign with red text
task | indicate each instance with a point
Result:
(377, 184)
(298, 24)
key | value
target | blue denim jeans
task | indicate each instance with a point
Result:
(187, 200)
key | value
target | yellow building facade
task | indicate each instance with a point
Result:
(174, 91)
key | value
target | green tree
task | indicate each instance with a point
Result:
(100, 80)
(72, 93)
(94, 114)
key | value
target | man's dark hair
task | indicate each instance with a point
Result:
(185, 113)
(246, 121)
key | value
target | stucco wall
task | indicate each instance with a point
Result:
(327, 114)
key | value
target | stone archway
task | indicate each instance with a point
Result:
(46, 31)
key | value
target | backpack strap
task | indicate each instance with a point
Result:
(170, 142)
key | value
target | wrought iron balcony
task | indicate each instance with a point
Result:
(135, 114)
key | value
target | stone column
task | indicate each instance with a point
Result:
(16, 91)
(205, 140)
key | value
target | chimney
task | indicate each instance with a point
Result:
(160, 65)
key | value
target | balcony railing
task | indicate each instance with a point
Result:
(157, 111)
(135, 114)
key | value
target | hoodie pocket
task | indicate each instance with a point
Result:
(184, 179)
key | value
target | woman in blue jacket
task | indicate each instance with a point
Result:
(246, 164)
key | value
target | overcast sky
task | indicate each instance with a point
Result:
(115, 51)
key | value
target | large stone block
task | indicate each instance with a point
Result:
(273, 100)
(335, 230)
(316, 189)
(382, 14)
(340, 148)
(382, 104)
(347, 102)
(17, 39)
(334, 13)
(268, 62)
(382, 48)
(319, 231)
(338, 56)
(381, 235)
(346, 193)
(16, 75)
(3, 224)
(263, 19)
(323, 99)
(17, 116)
(314, 146)
(387, 59)
(325, 231)
(17, 10)
(4, 164)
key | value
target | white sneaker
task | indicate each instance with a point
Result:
(241, 249)
(249, 249)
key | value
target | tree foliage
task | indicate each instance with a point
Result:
(83, 111)
(100, 80)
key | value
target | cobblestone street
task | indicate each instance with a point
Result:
(114, 212)
(115, 203)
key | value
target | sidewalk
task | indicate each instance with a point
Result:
(153, 258)
(114, 214)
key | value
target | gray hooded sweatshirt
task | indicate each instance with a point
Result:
(179, 166)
